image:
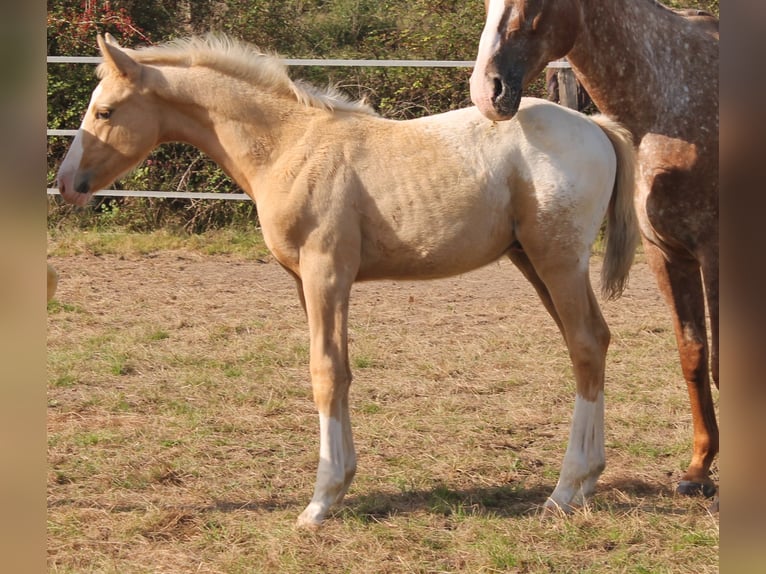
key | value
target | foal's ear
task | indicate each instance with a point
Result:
(111, 40)
(117, 59)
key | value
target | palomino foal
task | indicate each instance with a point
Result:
(344, 195)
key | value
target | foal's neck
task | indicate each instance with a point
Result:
(233, 122)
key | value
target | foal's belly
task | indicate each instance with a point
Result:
(431, 251)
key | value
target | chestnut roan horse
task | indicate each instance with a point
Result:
(654, 70)
(344, 195)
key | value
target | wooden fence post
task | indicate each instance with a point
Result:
(567, 88)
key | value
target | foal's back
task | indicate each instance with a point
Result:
(444, 194)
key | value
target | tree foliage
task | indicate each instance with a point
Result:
(374, 29)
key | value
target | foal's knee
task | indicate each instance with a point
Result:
(330, 387)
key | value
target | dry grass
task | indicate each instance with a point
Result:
(182, 437)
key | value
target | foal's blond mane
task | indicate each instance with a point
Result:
(244, 61)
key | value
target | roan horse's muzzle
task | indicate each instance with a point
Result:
(506, 96)
(496, 95)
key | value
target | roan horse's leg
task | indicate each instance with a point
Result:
(710, 279)
(326, 296)
(681, 285)
(567, 294)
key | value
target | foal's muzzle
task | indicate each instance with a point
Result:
(83, 187)
(74, 189)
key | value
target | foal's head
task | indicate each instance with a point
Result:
(519, 38)
(120, 128)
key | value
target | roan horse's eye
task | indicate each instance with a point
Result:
(103, 114)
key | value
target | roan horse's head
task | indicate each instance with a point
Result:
(519, 38)
(109, 142)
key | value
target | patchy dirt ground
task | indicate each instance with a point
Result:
(180, 414)
(195, 287)
(412, 344)
(399, 325)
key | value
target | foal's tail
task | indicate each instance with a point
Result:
(621, 224)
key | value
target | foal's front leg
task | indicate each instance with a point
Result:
(327, 298)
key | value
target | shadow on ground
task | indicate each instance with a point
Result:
(622, 494)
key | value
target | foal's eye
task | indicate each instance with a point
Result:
(103, 114)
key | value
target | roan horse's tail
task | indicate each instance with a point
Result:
(621, 223)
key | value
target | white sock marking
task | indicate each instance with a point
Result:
(331, 472)
(585, 456)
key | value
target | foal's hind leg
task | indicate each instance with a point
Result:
(522, 262)
(587, 338)
(566, 292)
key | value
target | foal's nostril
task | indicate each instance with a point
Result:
(498, 88)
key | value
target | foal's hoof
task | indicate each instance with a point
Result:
(691, 488)
(307, 526)
(311, 518)
(552, 509)
(307, 523)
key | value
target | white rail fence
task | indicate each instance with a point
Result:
(562, 65)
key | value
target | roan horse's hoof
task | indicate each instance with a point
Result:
(713, 508)
(690, 488)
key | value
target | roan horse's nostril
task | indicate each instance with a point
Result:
(498, 88)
